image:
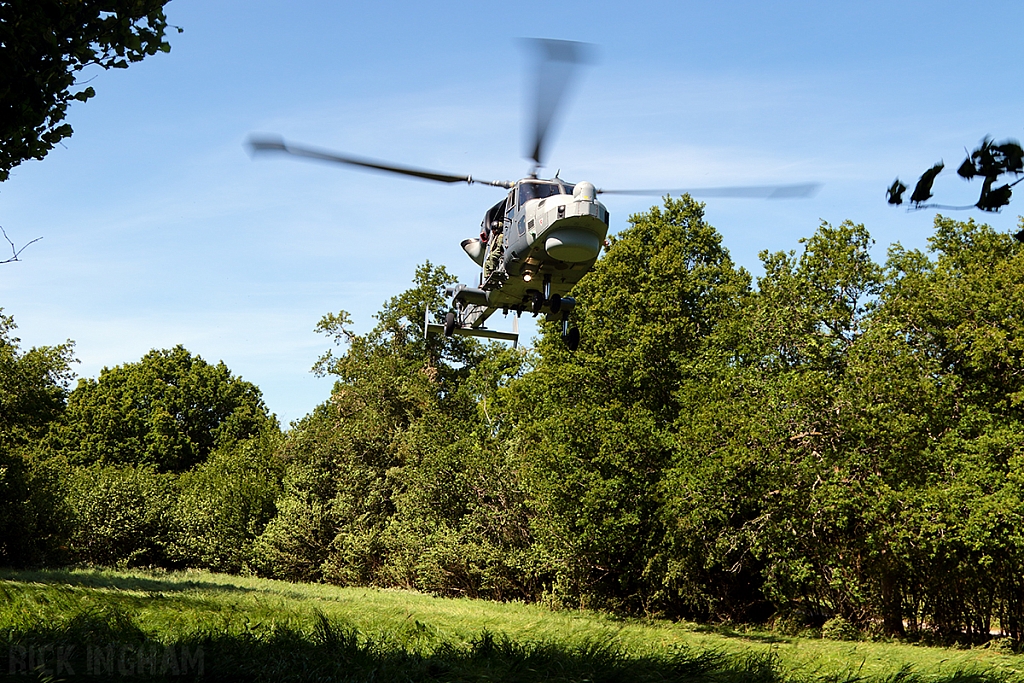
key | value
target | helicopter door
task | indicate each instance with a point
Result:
(511, 206)
(510, 214)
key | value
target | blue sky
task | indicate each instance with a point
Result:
(158, 229)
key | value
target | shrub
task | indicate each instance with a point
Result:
(839, 628)
(119, 515)
(223, 505)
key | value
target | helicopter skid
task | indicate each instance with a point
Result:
(477, 332)
(463, 327)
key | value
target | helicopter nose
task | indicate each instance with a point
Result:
(573, 245)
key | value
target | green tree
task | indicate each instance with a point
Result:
(45, 44)
(344, 458)
(461, 524)
(592, 430)
(761, 420)
(650, 304)
(853, 450)
(119, 516)
(33, 386)
(403, 478)
(170, 410)
(958, 313)
(33, 390)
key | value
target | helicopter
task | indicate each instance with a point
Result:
(538, 241)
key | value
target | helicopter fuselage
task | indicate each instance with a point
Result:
(539, 241)
(551, 233)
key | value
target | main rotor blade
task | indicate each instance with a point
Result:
(556, 64)
(276, 144)
(798, 191)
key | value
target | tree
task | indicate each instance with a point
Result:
(45, 44)
(402, 478)
(170, 410)
(33, 389)
(33, 386)
(960, 315)
(119, 515)
(649, 305)
(592, 430)
(224, 504)
(858, 453)
(343, 459)
(753, 410)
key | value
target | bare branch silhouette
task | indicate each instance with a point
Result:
(15, 252)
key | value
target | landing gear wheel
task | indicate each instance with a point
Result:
(572, 338)
(538, 302)
(449, 324)
(555, 303)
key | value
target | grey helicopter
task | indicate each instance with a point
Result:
(538, 241)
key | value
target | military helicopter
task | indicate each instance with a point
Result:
(544, 235)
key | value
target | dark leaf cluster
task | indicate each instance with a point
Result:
(44, 47)
(989, 161)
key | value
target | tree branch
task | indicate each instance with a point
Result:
(15, 252)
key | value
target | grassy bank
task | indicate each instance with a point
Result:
(197, 625)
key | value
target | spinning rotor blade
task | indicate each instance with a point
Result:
(798, 191)
(276, 144)
(556, 62)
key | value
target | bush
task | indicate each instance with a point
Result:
(33, 388)
(120, 515)
(839, 628)
(224, 505)
(15, 519)
(295, 543)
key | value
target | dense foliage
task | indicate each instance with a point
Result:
(169, 411)
(45, 44)
(837, 443)
(167, 461)
(33, 389)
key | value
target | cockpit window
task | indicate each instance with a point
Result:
(539, 190)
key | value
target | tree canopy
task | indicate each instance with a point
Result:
(839, 440)
(34, 385)
(45, 45)
(168, 411)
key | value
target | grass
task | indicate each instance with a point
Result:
(249, 629)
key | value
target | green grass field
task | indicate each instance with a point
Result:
(106, 625)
